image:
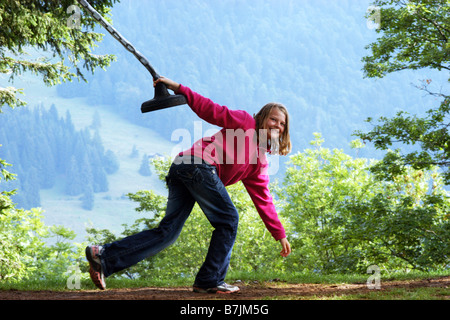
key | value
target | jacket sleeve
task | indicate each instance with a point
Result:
(257, 186)
(214, 113)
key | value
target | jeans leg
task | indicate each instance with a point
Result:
(189, 183)
(125, 253)
(213, 199)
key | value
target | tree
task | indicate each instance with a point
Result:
(25, 251)
(406, 225)
(74, 185)
(144, 169)
(5, 200)
(87, 201)
(96, 120)
(414, 35)
(344, 219)
(317, 185)
(134, 152)
(110, 162)
(49, 27)
(58, 30)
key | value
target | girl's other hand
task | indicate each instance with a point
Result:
(286, 247)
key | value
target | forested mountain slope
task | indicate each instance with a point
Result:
(243, 54)
(304, 53)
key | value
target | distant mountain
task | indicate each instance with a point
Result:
(243, 54)
(306, 54)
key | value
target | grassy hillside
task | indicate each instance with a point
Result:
(112, 208)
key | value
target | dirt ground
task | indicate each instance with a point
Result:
(249, 291)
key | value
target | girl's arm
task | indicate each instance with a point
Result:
(210, 111)
(259, 193)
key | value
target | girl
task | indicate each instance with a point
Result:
(200, 174)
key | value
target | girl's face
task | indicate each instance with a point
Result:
(275, 123)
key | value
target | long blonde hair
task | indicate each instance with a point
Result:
(284, 140)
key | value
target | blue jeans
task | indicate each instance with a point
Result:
(187, 184)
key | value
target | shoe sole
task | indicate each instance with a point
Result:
(95, 270)
(228, 292)
(201, 290)
(213, 291)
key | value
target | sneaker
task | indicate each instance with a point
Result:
(95, 270)
(223, 288)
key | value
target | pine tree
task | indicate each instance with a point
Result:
(87, 201)
(46, 165)
(110, 162)
(29, 188)
(73, 181)
(96, 120)
(134, 152)
(43, 25)
(144, 170)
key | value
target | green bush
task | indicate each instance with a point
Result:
(339, 219)
(344, 219)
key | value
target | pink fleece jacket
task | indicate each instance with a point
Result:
(235, 154)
